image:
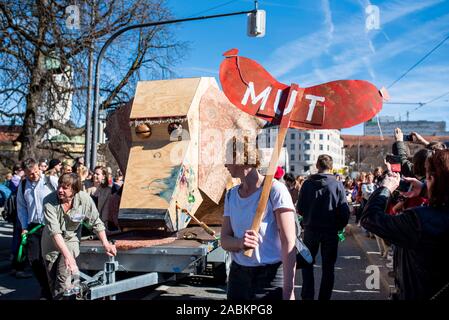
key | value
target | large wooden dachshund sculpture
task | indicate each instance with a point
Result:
(332, 105)
(164, 141)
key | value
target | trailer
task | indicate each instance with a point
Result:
(190, 253)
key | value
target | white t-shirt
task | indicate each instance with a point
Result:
(241, 212)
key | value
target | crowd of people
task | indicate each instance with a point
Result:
(51, 204)
(403, 204)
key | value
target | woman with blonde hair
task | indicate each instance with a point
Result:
(269, 273)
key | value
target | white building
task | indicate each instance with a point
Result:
(266, 154)
(304, 147)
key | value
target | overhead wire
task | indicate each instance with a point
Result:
(419, 61)
(420, 104)
(429, 102)
(212, 8)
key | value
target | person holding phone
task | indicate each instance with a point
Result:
(402, 153)
(407, 162)
(420, 234)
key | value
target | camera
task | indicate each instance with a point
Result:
(408, 137)
(404, 186)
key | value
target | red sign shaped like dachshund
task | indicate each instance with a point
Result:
(332, 105)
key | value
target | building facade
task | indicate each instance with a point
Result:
(388, 124)
(304, 146)
(365, 153)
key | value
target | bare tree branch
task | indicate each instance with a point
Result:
(43, 64)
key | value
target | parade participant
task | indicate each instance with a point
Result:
(79, 162)
(54, 168)
(43, 166)
(118, 181)
(368, 187)
(292, 186)
(100, 191)
(378, 172)
(420, 234)
(407, 164)
(9, 191)
(82, 173)
(16, 178)
(66, 168)
(65, 210)
(270, 272)
(323, 205)
(30, 198)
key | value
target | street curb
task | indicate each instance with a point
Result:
(358, 237)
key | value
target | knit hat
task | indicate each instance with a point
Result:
(279, 173)
(53, 163)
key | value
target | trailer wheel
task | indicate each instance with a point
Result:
(221, 270)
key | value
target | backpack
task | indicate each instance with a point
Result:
(9, 213)
(5, 193)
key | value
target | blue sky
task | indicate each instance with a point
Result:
(314, 41)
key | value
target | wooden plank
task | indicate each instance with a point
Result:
(151, 177)
(163, 98)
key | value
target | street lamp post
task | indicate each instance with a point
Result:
(256, 30)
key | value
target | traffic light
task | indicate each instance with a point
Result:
(256, 23)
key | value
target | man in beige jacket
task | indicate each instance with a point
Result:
(65, 210)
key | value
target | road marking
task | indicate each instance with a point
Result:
(4, 291)
(5, 229)
(366, 291)
(341, 291)
(350, 257)
(373, 252)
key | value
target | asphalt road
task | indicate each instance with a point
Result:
(355, 254)
(353, 281)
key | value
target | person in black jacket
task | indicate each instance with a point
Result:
(323, 205)
(420, 234)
